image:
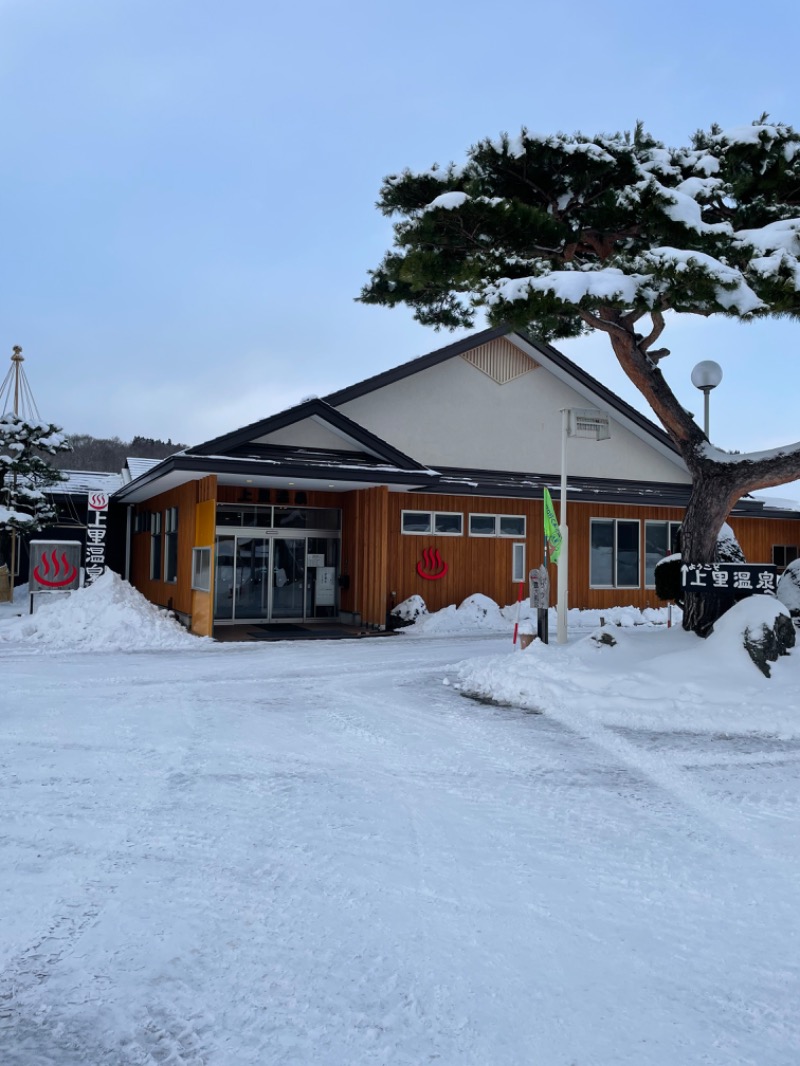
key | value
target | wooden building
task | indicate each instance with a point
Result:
(425, 479)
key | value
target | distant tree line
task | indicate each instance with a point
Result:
(104, 453)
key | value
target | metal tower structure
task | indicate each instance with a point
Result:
(16, 398)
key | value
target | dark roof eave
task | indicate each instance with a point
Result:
(206, 465)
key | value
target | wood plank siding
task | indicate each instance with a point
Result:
(177, 595)
(365, 554)
(474, 564)
(484, 564)
(205, 524)
(379, 562)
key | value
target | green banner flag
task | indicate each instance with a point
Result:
(551, 531)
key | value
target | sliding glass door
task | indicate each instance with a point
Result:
(242, 579)
(265, 577)
(252, 578)
(289, 577)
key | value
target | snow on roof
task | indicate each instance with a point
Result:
(78, 481)
(779, 503)
(137, 467)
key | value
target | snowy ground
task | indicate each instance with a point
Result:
(325, 853)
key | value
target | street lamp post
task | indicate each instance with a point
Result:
(706, 376)
(593, 425)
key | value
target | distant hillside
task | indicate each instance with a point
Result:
(102, 453)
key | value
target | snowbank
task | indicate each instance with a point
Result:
(651, 678)
(109, 615)
(480, 614)
(789, 587)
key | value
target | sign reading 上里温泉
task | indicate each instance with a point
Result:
(96, 518)
(55, 565)
(739, 579)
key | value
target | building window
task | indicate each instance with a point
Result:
(783, 554)
(448, 523)
(141, 522)
(614, 553)
(440, 523)
(497, 525)
(518, 562)
(155, 546)
(171, 544)
(660, 540)
(511, 525)
(265, 517)
(201, 569)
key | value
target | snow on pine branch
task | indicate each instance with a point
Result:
(570, 286)
(760, 134)
(717, 455)
(643, 287)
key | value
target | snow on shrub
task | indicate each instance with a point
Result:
(482, 611)
(409, 610)
(761, 625)
(789, 588)
(728, 547)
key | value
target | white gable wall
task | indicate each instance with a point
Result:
(310, 434)
(453, 414)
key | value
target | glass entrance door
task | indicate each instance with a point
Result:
(260, 576)
(289, 577)
(242, 582)
(252, 578)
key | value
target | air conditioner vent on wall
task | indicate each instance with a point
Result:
(500, 360)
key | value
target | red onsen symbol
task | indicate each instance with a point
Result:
(98, 501)
(63, 573)
(433, 568)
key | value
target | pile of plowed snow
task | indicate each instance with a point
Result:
(480, 614)
(109, 615)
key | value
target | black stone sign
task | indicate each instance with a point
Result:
(737, 579)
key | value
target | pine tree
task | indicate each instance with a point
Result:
(565, 234)
(25, 476)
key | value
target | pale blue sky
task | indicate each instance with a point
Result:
(189, 187)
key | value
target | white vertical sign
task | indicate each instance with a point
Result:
(96, 518)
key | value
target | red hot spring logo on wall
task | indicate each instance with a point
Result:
(431, 566)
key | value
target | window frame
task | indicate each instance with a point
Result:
(197, 554)
(783, 548)
(170, 545)
(670, 523)
(615, 522)
(432, 531)
(516, 517)
(518, 575)
(155, 546)
(498, 520)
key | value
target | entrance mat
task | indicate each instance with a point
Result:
(280, 627)
(297, 632)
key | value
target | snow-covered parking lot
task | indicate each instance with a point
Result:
(324, 853)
